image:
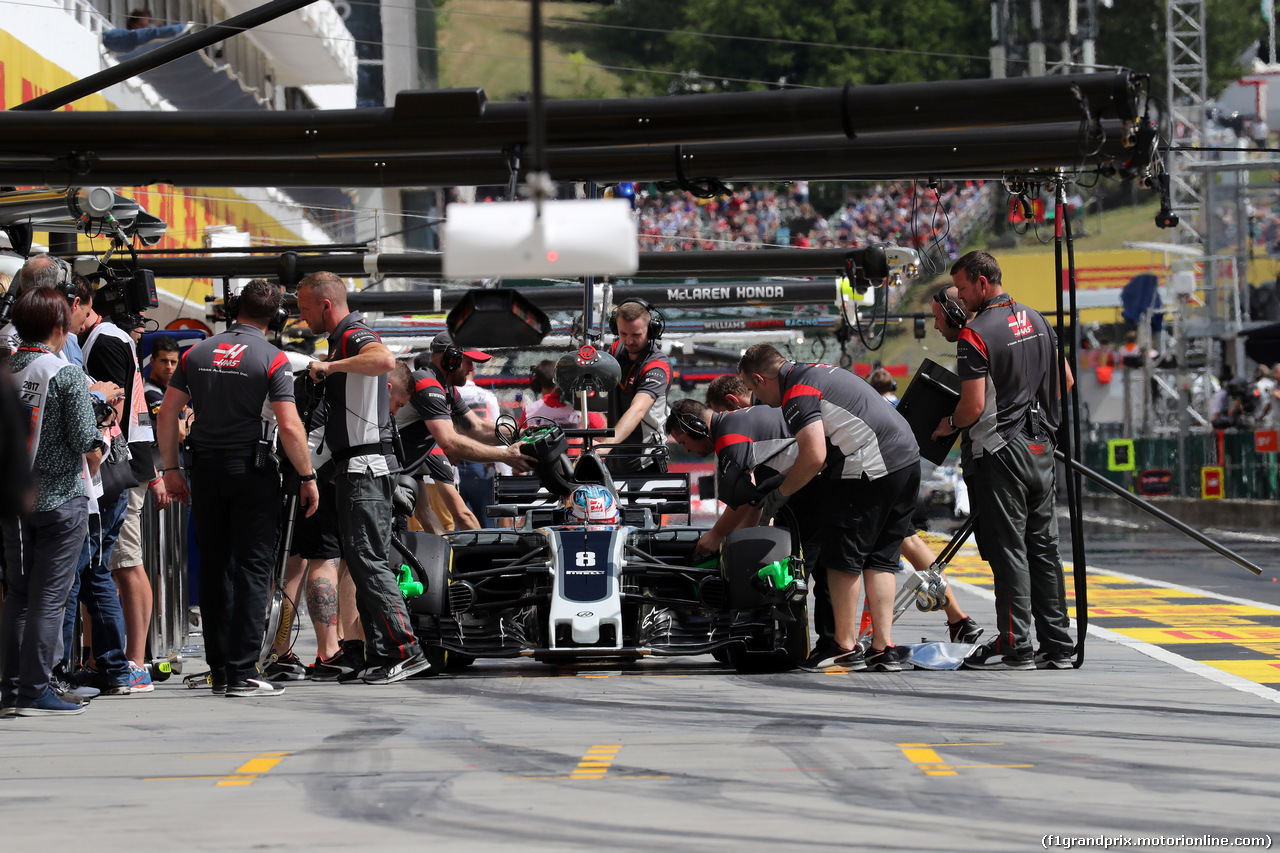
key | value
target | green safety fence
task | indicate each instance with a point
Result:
(1247, 474)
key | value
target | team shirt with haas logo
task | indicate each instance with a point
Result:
(1013, 348)
(873, 439)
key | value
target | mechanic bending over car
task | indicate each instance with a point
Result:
(423, 458)
(730, 392)
(869, 488)
(638, 404)
(438, 425)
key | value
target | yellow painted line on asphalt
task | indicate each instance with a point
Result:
(596, 762)
(245, 774)
(923, 756)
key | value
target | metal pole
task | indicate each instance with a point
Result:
(1156, 512)
(175, 49)
(1071, 420)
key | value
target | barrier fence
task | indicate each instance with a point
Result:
(164, 553)
(1231, 464)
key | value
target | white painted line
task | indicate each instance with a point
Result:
(1235, 682)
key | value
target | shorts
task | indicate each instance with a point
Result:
(866, 521)
(128, 549)
(316, 538)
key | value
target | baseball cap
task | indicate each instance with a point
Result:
(444, 340)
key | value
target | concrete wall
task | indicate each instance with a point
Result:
(1262, 516)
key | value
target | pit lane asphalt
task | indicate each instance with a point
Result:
(677, 752)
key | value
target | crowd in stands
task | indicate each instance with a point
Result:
(904, 213)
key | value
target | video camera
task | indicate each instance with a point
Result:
(1244, 392)
(123, 297)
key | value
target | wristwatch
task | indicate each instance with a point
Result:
(951, 422)
(307, 478)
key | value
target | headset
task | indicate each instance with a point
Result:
(450, 357)
(690, 425)
(276, 323)
(953, 313)
(64, 284)
(657, 323)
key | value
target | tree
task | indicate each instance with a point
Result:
(1133, 34)
(759, 44)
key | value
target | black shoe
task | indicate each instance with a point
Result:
(253, 688)
(286, 667)
(399, 671)
(219, 686)
(824, 655)
(987, 657)
(888, 659)
(854, 661)
(1054, 660)
(348, 660)
(964, 631)
(80, 695)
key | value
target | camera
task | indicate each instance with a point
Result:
(1243, 391)
(103, 412)
(124, 297)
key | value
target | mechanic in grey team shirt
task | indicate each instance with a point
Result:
(236, 485)
(871, 476)
(1008, 411)
(358, 430)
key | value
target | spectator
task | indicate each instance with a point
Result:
(42, 547)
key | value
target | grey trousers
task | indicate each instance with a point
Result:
(364, 524)
(1012, 493)
(41, 555)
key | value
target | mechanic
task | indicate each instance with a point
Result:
(726, 393)
(1008, 412)
(110, 354)
(423, 456)
(444, 422)
(235, 481)
(358, 431)
(869, 490)
(314, 555)
(638, 405)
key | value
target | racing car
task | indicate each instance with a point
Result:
(592, 570)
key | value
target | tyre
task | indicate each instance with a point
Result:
(743, 554)
(745, 661)
(433, 557)
(457, 661)
(797, 642)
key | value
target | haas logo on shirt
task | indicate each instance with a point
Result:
(1019, 325)
(228, 355)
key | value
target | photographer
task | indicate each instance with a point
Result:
(110, 353)
(236, 480)
(42, 547)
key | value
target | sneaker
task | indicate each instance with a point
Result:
(888, 659)
(348, 660)
(1054, 660)
(253, 687)
(219, 685)
(398, 671)
(80, 695)
(987, 657)
(8, 711)
(825, 654)
(48, 705)
(139, 679)
(286, 667)
(964, 631)
(854, 661)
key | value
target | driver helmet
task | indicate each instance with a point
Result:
(593, 505)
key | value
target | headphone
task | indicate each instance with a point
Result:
(953, 313)
(275, 323)
(450, 358)
(657, 324)
(64, 284)
(691, 425)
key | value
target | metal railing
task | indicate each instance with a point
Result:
(164, 553)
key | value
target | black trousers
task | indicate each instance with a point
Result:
(237, 522)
